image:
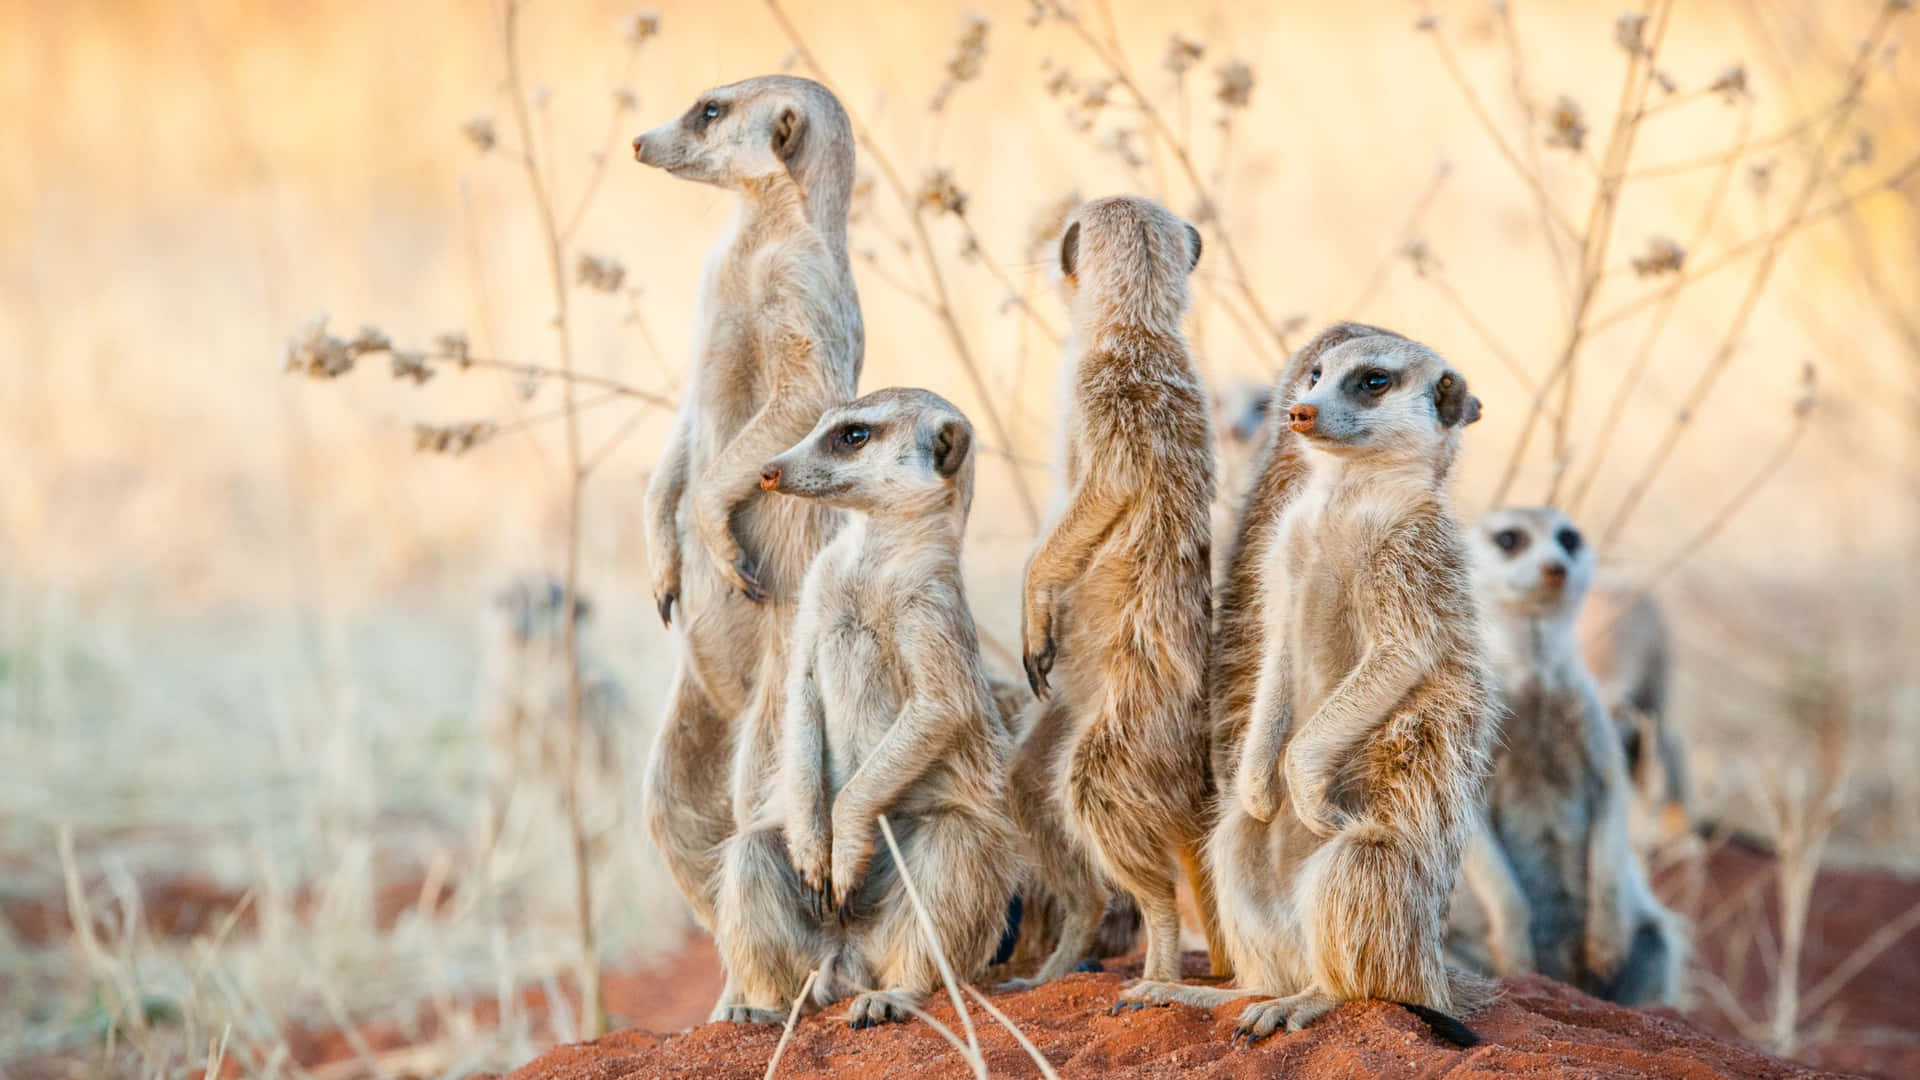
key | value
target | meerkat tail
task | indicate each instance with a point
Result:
(1443, 1025)
(1202, 884)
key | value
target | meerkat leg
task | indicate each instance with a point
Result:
(1296, 1011)
(1374, 919)
(1201, 882)
(767, 940)
(1075, 892)
(687, 805)
(1490, 878)
(953, 860)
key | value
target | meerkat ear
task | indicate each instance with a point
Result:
(1070, 249)
(789, 131)
(1195, 260)
(950, 446)
(1455, 406)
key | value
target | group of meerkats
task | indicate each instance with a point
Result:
(1366, 736)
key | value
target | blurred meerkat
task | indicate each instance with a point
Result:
(1364, 760)
(888, 712)
(779, 340)
(1624, 638)
(1111, 778)
(1240, 410)
(1557, 804)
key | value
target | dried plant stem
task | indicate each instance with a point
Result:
(1531, 177)
(1408, 232)
(1594, 242)
(1039, 1060)
(1733, 505)
(942, 302)
(1015, 296)
(1856, 961)
(1669, 299)
(1727, 157)
(593, 1018)
(1523, 96)
(933, 938)
(793, 1017)
(1485, 334)
(1893, 180)
(1763, 270)
(1116, 62)
(609, 144)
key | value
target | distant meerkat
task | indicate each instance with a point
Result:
(1111, 778)
(1624, 638)
(1363, 764)
(888, 713)
(779, 340)
(1557, 804)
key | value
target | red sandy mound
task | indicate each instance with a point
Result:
(1539, 1029)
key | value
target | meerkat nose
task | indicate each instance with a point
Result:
(1554, 574)
(640, 149)
(1301, 417)
(770, 478)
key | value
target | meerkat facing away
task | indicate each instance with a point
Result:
(1624, 638)
(779, 340)
(1111, 778)
(1362, 766)
(888, 712)
(1558, 802)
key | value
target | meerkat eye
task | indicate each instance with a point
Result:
(1510, 540)
(1376, 382)
(1313, 376)
(1260, 407)
(711, 112)
(1569, 539)
(851, 437)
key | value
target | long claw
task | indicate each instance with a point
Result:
(666, 608)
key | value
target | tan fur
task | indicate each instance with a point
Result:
(889, 711)
(1111, 779)
(1624, 638)
(1362, 757)
(1557, 805)
(779, 340)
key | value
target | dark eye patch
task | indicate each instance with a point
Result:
(1511, 541)
(702, 114)
(1370, 384)
(1569, 539)
(851, 437)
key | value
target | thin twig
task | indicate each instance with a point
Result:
(609, 144)
(1039, 1060)
(1630, 380)
(933, 936)
(1378, 276)
(1733, 505)
(1878, 942)
(793, 1017)
(1014, 295)
(1769, 256)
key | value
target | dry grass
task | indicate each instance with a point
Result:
(237, 619)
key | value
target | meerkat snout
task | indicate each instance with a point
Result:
(1301, 417)
(1554, 574)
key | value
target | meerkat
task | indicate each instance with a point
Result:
(779, 340)
(889, 712)
(1110, 781)
(1366, 749)
(1557, 803)
(1241, 407)
(1624, 639)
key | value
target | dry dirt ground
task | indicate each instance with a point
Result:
(1538, 1029)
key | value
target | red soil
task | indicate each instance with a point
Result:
(190, 907)
(1538, 1029)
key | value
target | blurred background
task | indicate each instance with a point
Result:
(253, 651)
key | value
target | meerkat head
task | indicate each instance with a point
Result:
(892, 452)
(1531, 560)
(749, 131)
(1240, 408)
(533, 607)
(1381, 396)
(1126, 260)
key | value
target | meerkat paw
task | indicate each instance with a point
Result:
(876, 1007)
(1037, 652)
(1263, 1018)
(666, 593)
(746, 1014)
(1144, 992)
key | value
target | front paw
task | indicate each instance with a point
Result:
(850, 855)
(1511, 953)
(809, 852)
(1310, 802)
(1260, 795)
(666, 593)
(1037, 651)
(744, 577)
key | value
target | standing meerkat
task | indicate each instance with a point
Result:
(1624, 639)
(1112, 774)
(888, 712)
(1557, 805)
(779, 340)
(1365, 756)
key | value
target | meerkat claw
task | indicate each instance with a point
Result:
(665, 605)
